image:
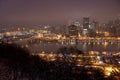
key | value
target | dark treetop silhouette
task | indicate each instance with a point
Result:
(17, 64)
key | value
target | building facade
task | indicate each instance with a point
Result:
(73, 31)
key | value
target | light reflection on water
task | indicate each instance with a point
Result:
(85, 47)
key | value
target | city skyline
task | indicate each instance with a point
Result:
(61, 11)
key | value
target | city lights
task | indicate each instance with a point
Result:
(59, 39)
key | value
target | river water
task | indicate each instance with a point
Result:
(49, 47)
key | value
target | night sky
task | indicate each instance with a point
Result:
(57, 11)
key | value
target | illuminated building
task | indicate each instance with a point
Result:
(85, 26)
(94, 25)
(79, 28)
(92, 28)
(77, 23)
(85, 22)
(117, 27)
(73, 31)
(85, 32)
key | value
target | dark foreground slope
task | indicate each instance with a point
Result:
(17, 64)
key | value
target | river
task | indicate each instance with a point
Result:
(49, 47)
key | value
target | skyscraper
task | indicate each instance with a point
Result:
(94, 25)
(73, 31)
(85, 31)
(77, 23)
(85, 22)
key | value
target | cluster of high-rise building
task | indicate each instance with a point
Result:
(85, 29)
(88, 28)
(113, 27)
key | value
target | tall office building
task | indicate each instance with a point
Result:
(73, 31)
(85, 22)
(93, 28)
(77, 23)
(85, 31)
(79, 28)
(94, 25)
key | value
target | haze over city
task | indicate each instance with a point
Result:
(56, 11)
(59, 39)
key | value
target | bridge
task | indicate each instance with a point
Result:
(69, 40)
(91, 40)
